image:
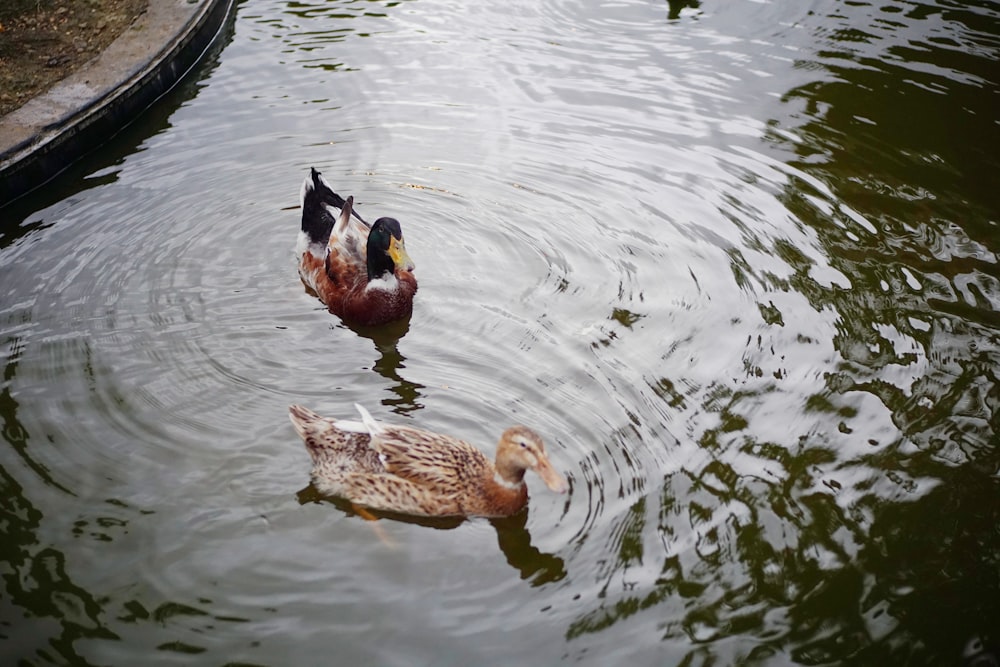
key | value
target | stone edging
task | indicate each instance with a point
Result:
(82, 111)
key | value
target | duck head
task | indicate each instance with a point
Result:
(522, 449)
(386, 250)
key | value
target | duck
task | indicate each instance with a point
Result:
(407, 470)
(360, 271)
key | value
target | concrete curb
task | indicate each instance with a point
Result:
(82, 111)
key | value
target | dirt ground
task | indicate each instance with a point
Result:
(42, 41)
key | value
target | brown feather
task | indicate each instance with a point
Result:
(412, 471)
(337, 271)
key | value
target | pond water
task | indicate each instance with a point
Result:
(737, 262)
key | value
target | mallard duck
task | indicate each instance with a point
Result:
(411, 471)
(360, 271)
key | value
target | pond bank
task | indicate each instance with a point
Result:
(51, 131)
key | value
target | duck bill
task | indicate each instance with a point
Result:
(397, 251)
(552, 479)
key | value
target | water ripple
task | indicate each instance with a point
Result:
(750, 307)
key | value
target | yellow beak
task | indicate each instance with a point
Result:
(397, 251)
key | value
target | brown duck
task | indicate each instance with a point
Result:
(360, 271)
(412, 471)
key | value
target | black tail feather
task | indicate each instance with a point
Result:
(317, 221)
(326, 195)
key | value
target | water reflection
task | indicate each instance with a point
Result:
(14, 433)
(782, 405)
(916, 329)
(52, 611)
(13, 227)
(934, 561)
(386, 339)
(513, 538)
(796, 536)
(677, 6)
(337, 21)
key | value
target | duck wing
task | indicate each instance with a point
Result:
(431, 459)
(349, 239)
(425, 458)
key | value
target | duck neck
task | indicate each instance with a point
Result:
(379, 263)
(507, 494)
(509, 476)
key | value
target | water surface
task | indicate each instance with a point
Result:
(736, 262)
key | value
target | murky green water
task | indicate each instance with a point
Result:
(737, 262)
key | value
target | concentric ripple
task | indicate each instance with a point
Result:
(736, 264)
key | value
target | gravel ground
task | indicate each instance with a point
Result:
(42, 41)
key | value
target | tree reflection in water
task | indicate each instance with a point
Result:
(884, 556)
(44, 611)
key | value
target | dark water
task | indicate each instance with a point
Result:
(737, 262)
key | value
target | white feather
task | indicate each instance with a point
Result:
(307, 186)
(304, 245)
(504, 483)
(350, 426)
(374, 428)
(387, 283)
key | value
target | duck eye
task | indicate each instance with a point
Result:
(524, 445)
